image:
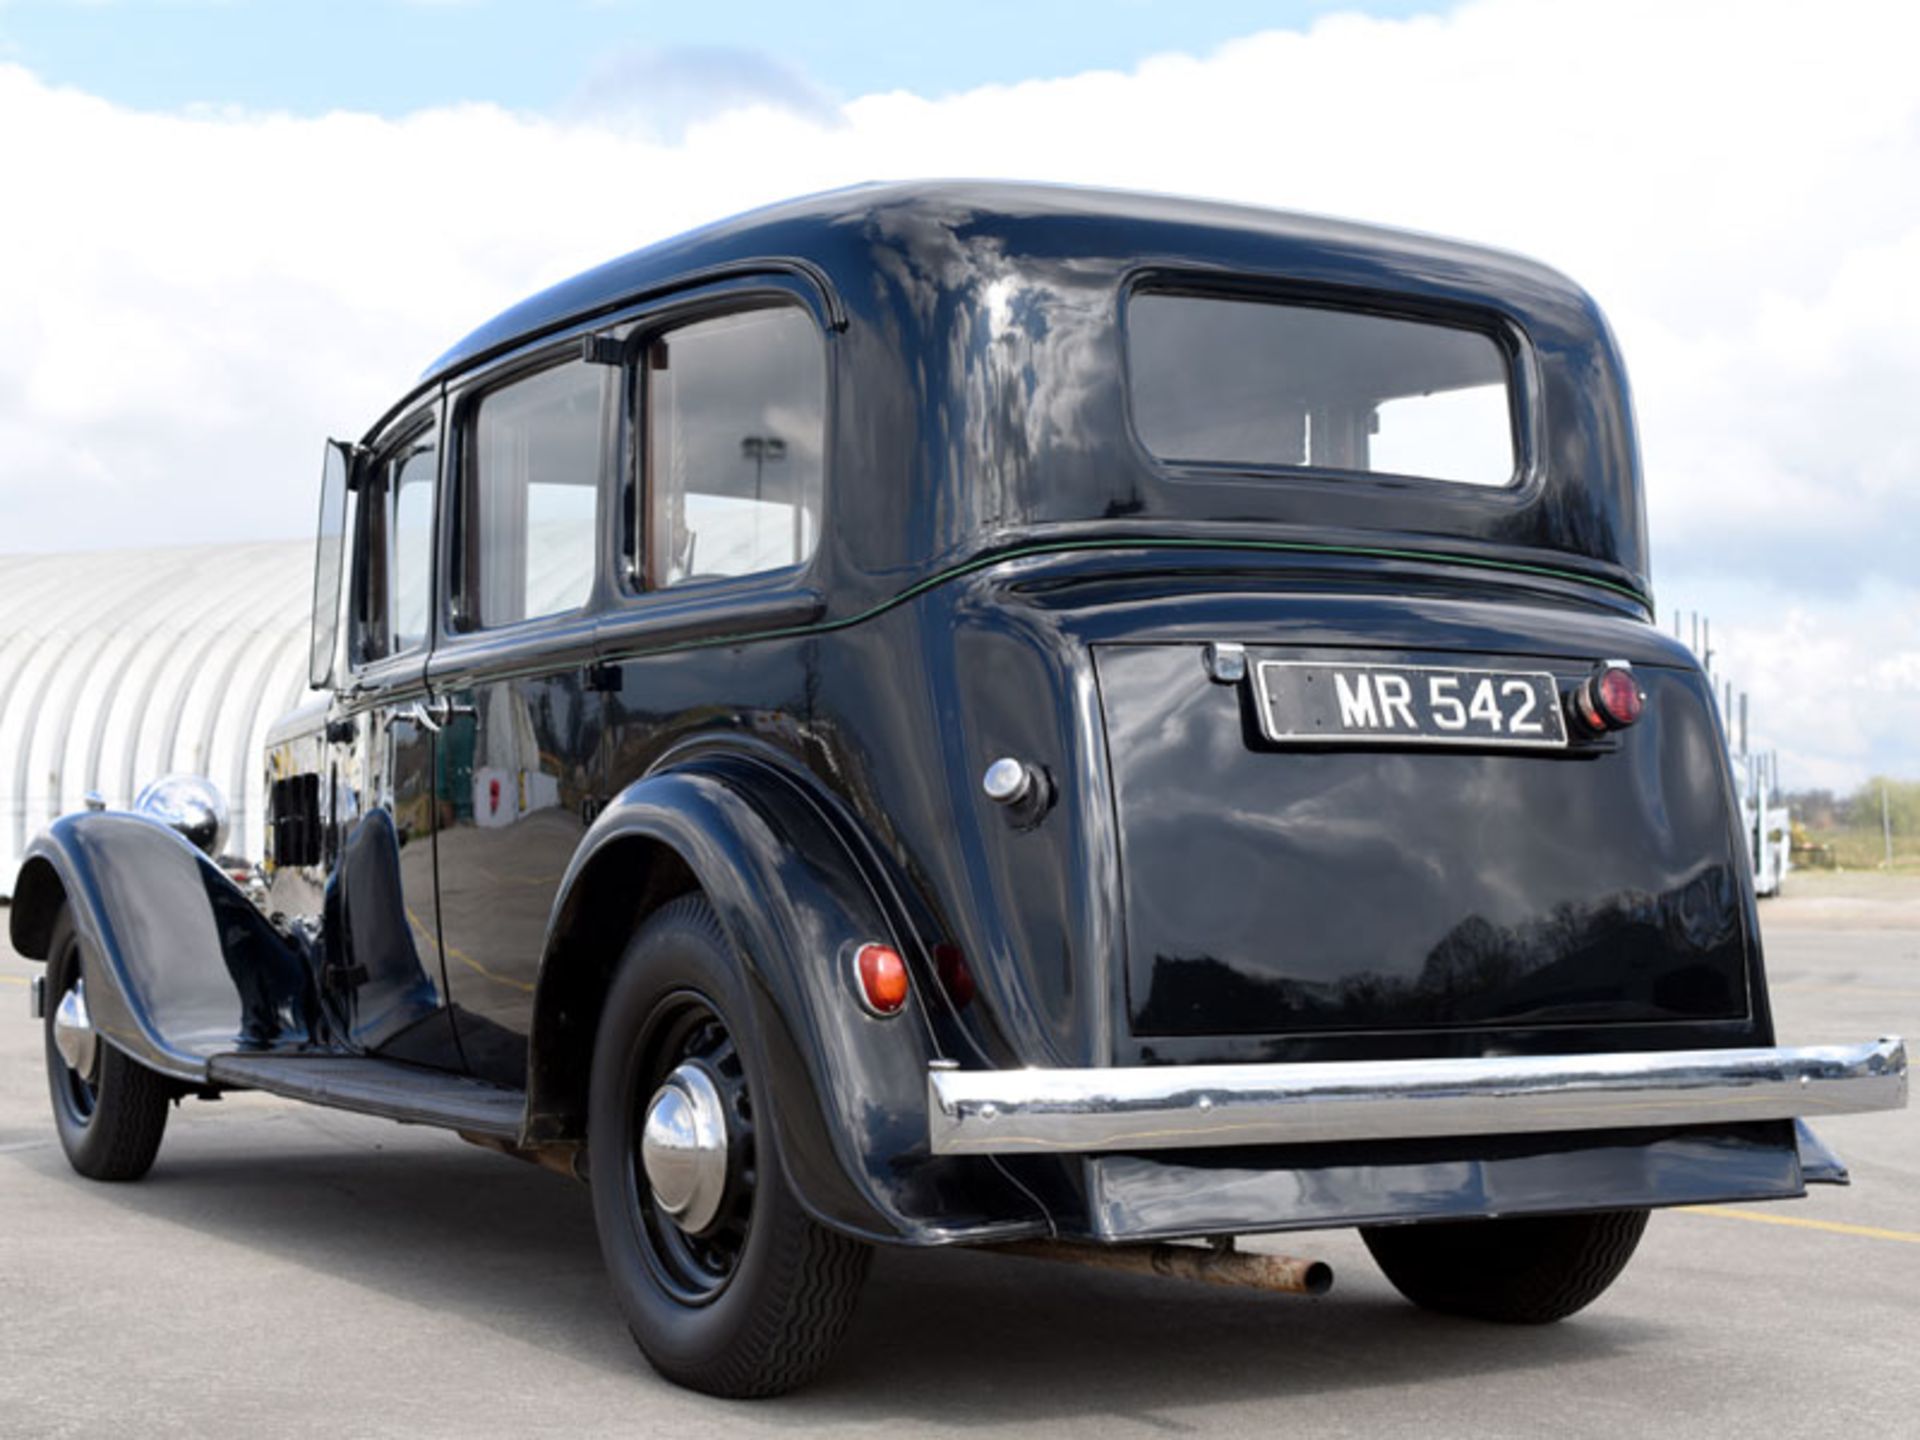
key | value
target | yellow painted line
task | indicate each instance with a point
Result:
(13, 979)
(454, 952)
(481, 872)
(1832, 1227)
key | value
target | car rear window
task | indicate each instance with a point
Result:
(1244, 383)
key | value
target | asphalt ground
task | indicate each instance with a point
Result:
(291, 1271)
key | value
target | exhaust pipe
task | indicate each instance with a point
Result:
(1215, 1265)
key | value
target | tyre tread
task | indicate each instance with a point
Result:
(121, 1138)
(805, 1298)
(1525, 1270)
(134, 1105)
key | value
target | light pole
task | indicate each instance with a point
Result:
(764, 450)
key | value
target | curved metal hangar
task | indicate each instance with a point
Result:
(969, 714)
(120, 666)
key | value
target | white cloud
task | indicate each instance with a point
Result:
(193, 300)
(1834, 686)
(658, 92)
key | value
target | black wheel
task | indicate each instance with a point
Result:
(110, 1110)
(1528, 1270)
(727, 1285)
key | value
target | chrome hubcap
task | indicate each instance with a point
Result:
(683, 1147)
(73, 1033)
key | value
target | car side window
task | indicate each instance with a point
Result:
(532, 483)
(412, 569)
(393, 581)
(735, 416)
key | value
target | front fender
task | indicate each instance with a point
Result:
(180, 964)
(848, 1089)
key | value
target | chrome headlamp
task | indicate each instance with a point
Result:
(190, 804)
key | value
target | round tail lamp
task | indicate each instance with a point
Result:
(1608, 699)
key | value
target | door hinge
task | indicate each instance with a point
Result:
(604, 677)
(602, 350)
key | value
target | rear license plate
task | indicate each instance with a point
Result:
(1311, 702)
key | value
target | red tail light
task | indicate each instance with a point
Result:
(1608, 699)
(882, 978)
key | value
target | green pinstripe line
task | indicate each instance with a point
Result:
(1296, 547)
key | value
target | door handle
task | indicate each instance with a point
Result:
(434, 713)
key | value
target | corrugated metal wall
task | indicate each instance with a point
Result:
(117, 666)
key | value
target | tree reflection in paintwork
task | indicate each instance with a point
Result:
(1610, 960)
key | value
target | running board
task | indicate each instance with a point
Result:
(390, 1089)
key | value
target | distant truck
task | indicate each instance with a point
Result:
(1768, 827)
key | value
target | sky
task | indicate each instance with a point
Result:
(392, 57)
(229, 229)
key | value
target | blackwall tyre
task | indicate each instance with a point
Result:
(1526, 1270)
(111, 1112)
(750, 1297)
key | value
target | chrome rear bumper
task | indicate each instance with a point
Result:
(1001, 1112)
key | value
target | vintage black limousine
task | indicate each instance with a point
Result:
(968, 714)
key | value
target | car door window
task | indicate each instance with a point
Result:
(413, 476)
(393, 582)
(532, 487)
(735, 434)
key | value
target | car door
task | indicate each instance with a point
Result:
(519, 746)
(387, 985)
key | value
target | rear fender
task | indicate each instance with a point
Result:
(847, 1089)
(180, 964)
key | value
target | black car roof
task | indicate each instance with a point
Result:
(985, 350)
(816, 225)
